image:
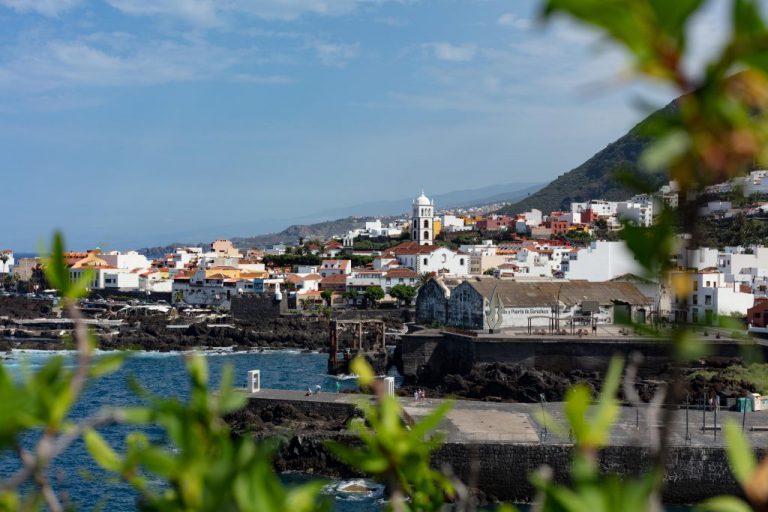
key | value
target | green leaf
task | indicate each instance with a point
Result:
(107, 364)
(360, 367)
(577, 401)
(723, 504)
(664, 151)
(101, 452)
(55, 268)
(740, 456)
(747, 19)
(673, 15)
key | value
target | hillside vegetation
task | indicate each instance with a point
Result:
(596, 178)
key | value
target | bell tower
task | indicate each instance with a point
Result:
(422, 230)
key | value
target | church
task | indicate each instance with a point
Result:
(421, 254)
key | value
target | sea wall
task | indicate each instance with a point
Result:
(499, 470)
(502, 470)
(436, 354)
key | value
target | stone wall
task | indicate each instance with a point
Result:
(502, 470)
(440, 353)
(431, 304)
(142, 296)
(255, 307)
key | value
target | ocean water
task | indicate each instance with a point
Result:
(78, 480)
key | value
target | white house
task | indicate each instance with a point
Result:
(601, 261)
(335, 267)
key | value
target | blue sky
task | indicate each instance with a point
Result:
(128, 123)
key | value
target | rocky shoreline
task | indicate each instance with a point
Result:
(516, 383)
(165, 332)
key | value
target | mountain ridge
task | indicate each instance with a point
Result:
(596, 177)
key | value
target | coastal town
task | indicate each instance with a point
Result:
(571, 265)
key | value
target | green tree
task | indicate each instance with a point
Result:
(403, 292)
(372, 295)
(327, 295)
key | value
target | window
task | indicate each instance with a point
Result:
(426, 261)
(426, 235)
(707, 300)
(426, 223)
(695, 299)
(461, 262)
(695, 285)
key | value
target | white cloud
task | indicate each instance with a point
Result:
(332, 54)
(124, 62)
(209, 12)
(198, 11)
(451, 52)
(512, 20)
(392, 21)
(45, 7)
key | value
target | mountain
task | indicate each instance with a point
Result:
(321, 231)
(340, 220)
(596, 178)
(457, 199)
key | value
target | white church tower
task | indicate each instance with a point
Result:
(422, 230)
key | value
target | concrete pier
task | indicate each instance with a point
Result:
(498, 445)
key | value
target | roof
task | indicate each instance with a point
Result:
(422, 200)
(331, 264)
(334, 279)
(570, 293)
(402, 272)
(412, 248)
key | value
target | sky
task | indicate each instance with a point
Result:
(131, 123)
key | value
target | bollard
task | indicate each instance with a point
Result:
(389, 385)
(254, 381)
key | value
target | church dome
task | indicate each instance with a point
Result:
(422, 200)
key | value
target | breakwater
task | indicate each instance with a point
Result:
(496, 446)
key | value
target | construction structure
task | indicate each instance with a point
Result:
(350, 338)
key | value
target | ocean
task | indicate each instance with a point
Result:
(83, 484)
(79, 481)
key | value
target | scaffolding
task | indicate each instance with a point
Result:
(342, 349)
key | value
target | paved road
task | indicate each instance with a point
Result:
(473, 421)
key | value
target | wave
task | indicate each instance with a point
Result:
(355, 490)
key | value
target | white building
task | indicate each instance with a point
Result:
(756, 183)
(6, 261)
(155, 281)
(601, 261)
(422, 225)
(430, 259)
(638, 210)
(129, 260)
(737, 264)
(710, 296)
(335, 267)
(451, 223)
(598, 206)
